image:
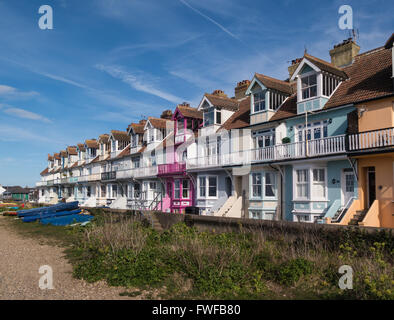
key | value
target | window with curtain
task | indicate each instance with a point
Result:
(177, 189)
(319, 183)
(202, 186)
(185, 189)
(212, 186)
(256, 185)
(302, 181)
(269, 184)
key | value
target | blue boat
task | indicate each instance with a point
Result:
(55, 208)
(67, 220)
(40, 216)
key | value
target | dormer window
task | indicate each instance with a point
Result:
(212, 116)
(134, 139)
(259, 102)
(309, 86)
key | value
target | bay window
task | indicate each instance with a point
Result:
(269, 184)
(207, 186)
(319, 183)
(212, 186)
(310, 184)
(202, 186)
(177, 189)
(302, 181)
(256, 185)
(185, 189)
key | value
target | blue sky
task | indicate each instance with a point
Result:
(107, 63)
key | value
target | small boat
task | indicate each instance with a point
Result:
(67, 220)
(41, 216)
(9, 213)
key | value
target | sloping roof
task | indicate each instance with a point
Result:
(369, 78)
(223, 102)
(389, 42)
(63, 153)
(81, 147)
(326, 66)
(124, 153)
(17, 189)
(57, 156)
(72, 150)
(138, 127)
(50, 157)
(287, 109)
(276, 84)
(74, 165)
(120, 135)
(158, 123)
(190, 112)
(239, 119)
(104, 138)
(45, 171)
(142, 149)
(92, 143)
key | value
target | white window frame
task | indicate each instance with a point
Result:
(207, 196)
(305, 76)
(263, 185)
(310, 184)
(312, 125)
(260, 93)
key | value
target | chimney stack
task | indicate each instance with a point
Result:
(344, 53)
(241, 88)
(167, 114)
(219, 93)
(294, 64)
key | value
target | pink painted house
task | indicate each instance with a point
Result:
(179, 188)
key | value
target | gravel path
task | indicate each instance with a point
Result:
(20, 259)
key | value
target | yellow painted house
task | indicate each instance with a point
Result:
(371, 149)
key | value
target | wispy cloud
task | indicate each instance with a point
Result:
(11, 92)
(138, 84)
(61, 79)
(22, 113)
(10, 133)
(211, 20)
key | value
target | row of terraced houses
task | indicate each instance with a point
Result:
(317, 147)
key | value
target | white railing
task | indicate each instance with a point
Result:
(295, 150)
(371, 139)
(145, 172)
(124, 174)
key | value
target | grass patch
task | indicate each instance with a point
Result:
(184, 263)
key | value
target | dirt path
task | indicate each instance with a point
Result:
(20, 260)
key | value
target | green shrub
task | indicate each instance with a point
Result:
(291, 271)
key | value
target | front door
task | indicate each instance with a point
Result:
(371, 186)
(347, 186)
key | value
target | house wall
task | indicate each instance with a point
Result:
(311, 206)
(384, 177)
(338, 125)
(378, 114)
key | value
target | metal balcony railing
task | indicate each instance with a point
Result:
(171, 168)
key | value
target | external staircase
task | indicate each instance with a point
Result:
(358, 217)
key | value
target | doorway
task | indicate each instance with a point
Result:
(347, 186)
(229, 186)
(371, 186)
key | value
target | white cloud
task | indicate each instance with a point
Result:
(22, 113)
(139, 84)
(11, 92)
(13, 133)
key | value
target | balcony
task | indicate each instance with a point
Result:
(375, 139)
(290, 151)
(106, 176)
(171, 168)
(145, 172)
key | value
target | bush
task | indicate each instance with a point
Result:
(291, 271)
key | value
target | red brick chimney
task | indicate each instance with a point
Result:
(241, 88)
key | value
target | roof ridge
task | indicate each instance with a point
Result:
(322, 61)
(275, 79)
